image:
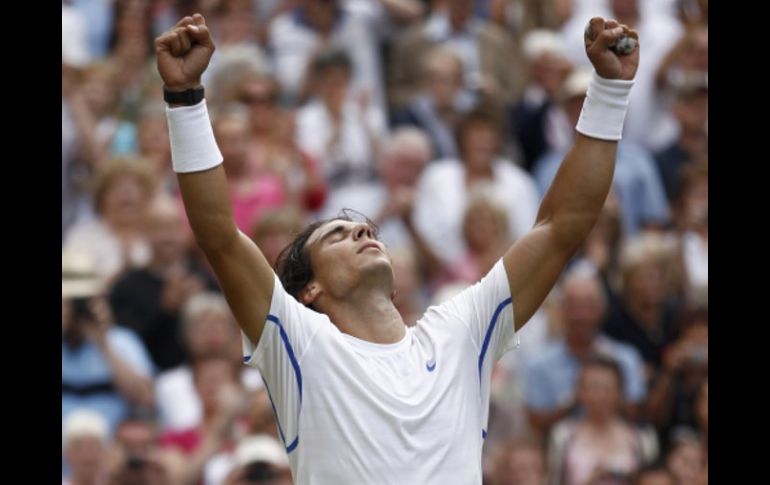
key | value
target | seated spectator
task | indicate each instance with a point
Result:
(686, 458)
(105, 368)
(486, 235)
(444, 188)
(536, 120)
(275, 229)
(389, 199)
(440, 103)
(138, 457)
(85, 446)
(250, 193)
(115, 239)
(222, 402)
(678, 385)
(341, 130)
(297, 36)
(274, 153)
(491, 57)
(257, 459)
(207, 330)
(690, 107)
(552, 375)
(599, 445)
(692, 212)
(519, 462)
(148, 300)
(648, 316)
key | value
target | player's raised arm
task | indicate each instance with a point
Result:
(183, 53)
(573, 202)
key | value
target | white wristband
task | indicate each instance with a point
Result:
(193, 147)
(604, 108)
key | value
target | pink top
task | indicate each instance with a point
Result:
(266, 193)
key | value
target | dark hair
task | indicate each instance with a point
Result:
(332, 58)
(294, 268)
(606, 363)
(484, 115)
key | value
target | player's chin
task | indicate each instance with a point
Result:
(376, 259)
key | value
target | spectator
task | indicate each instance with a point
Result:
(600, 445)
(105, 368)
(138, 458)
(519, 462)
(85, 442)
(536, 120)
(692, 221)
(275, 229)
(444, 188)
(648, 315)
(207, 331)
(297, 36)
(250, 193)
(222, 402)
(148, 300)
(260, 459)
(440, 103)
(116, 239)
(677, 386)
(274, 155)
(552, 375)
(686, 458)
(491, 58)
(389, 200)
(691, 146)
(341, 130)
(486, 235)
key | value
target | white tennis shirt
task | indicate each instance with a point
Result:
(413, 412)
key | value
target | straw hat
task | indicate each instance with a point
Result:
(78, 276)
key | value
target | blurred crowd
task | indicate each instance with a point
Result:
(444, 122)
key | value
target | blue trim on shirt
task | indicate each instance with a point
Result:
(290, 351)
(491, 329)
(294, 443)
(297, 373)
(275, 413)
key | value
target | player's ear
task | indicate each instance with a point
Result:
(310, 293)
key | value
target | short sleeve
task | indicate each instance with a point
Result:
(286, 336)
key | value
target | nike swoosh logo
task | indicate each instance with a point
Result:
(430, 365)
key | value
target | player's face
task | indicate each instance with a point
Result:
(345, 252)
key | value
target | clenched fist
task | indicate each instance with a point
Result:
(612, 48)
(184, 53)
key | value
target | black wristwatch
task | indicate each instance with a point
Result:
(188, 97)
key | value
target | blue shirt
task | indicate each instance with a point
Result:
(551, 376)
(87, 380)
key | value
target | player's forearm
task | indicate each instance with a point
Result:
(577, 194)
(207, 203)
(202, 182)
(575, 198)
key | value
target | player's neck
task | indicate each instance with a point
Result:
(369, 316)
